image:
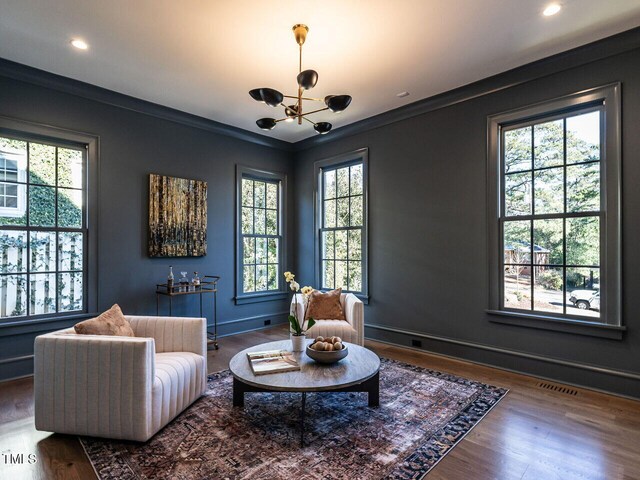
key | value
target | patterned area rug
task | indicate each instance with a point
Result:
(422, 415)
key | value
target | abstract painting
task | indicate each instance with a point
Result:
(177, 217)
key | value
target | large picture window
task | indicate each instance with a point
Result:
(342, 223)
(43, 229)
(556, 230)
(260, 235)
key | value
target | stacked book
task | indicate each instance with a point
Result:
(272, 361)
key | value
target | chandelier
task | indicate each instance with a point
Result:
(307, 79)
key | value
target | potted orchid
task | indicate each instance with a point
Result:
(299, 326)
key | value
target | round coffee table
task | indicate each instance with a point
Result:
(357, 372)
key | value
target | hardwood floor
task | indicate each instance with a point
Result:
(533, 433)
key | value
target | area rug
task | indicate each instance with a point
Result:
(422, 415)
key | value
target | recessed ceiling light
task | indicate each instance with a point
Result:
(551, 9)
(402, 94)
(79, 44)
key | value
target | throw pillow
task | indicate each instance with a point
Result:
(325, 306)
(111, 322)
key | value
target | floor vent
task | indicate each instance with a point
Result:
(558, 388)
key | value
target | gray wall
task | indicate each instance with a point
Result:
(133, 145)
(428, 233)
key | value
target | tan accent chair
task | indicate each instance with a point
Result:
(351, 330)
(124, 388)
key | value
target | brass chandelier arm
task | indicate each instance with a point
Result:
(310, 121)
(314, 111)
(305, 98)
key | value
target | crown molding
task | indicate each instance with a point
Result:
(24, 73)
(591, 52)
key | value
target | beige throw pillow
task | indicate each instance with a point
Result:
(325, 306)
(111, 322)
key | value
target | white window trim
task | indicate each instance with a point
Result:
(610, 324)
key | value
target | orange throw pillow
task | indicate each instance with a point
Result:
(111, 322)
(325, 306)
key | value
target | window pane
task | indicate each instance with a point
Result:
(547, 239)
(272, 250)
(69, 208)
(43, 251)
(261, 278)
(583, 137)
(355, 276)
(70, 247)
(583, 287)
(10, 194)
(517, 242)
(517, 287)
(13, 147)
(272, 222)
(272, 195)
(247, 192)
(247, 220)
(356, 179)
(356, 211)
(260, 194)
(248, 250)
(549, 191)
(517, 150)
(13, 251)
(42, 293)
(328, 244)
(343, 181)
(259, 218)
(248, 280)
(343, 212)
(42, 206)
(547, 290)
(328, 277)
(70, 291)
(9, 169)
(355, 244)
(341, 244)
(342, 279)
(13, 295)
(329, 213)
(583, 187)
(70, 168)
(272, 277)
(548, 144)
(42, 164)
(330, 184)
(261, 250)
(583, 241)
(517, 194)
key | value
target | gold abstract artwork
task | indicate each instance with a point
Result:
(177, 217)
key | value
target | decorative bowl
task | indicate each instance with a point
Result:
(327, 357)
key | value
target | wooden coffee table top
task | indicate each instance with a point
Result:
(360, 365)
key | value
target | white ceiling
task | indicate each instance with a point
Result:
(203, 56)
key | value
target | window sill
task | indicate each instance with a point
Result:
(41, 324)
(262, 297)
(578, 327)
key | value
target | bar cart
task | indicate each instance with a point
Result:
(208, 284)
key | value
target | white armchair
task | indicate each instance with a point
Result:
(350, 331)
(120, 387)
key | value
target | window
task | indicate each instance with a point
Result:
(342, 223)
(43, 241)
(12, 170)
(556, 224)
(260, 235)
